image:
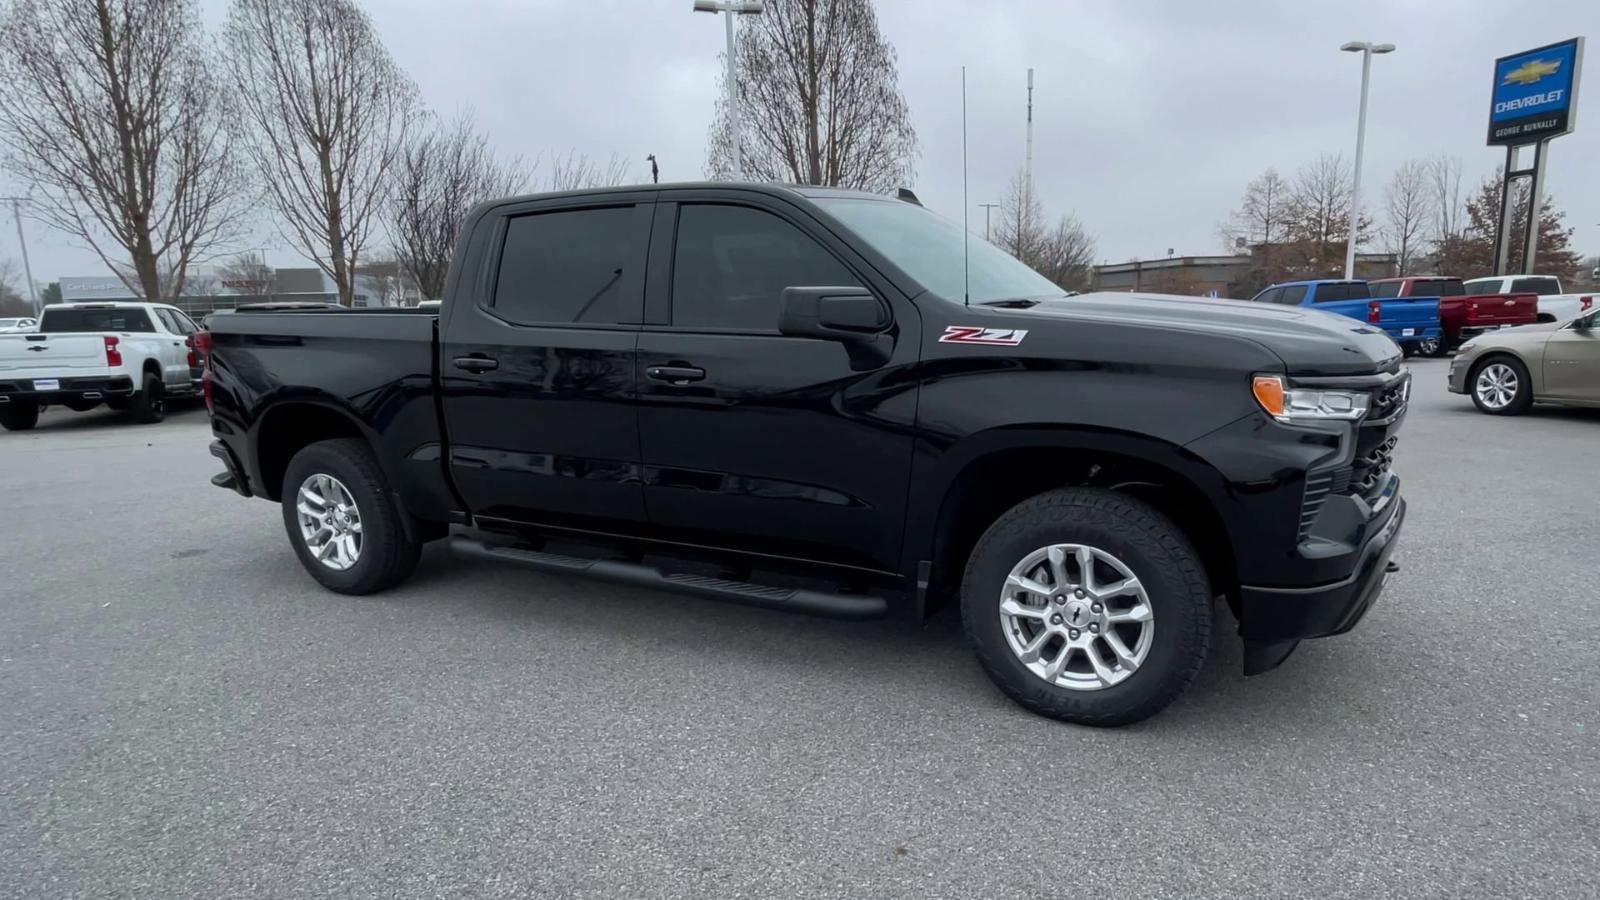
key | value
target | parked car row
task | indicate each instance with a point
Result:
(1433, 315)
(1506, 372)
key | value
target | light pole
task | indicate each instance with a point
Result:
(1366, 49)
(987, 208)
(733, 8)
(22, 241)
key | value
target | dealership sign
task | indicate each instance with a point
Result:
(1535, 95)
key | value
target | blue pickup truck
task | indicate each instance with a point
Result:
(1413, 322)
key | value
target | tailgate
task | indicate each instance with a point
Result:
(1408, 312)
(46, 353)
(1502, 309)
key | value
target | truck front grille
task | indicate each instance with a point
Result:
(1319, 487)
(1371, 466)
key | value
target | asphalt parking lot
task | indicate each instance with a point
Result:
(185, 714)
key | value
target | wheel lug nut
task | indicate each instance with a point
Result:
(1073, 634)
(1095, 607)
(1055, 620)
(1094, 627)
(1061, 600)
(1079, 593)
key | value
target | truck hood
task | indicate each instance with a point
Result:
(1309, 341)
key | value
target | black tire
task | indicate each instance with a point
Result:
(1149, 544)
(19, 416)
(387, 556)
(149, 406)
(1520, 401)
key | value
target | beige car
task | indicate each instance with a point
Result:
(1552, 362)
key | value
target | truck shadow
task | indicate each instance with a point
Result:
(927, 667)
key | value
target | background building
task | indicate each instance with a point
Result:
(1238, 277)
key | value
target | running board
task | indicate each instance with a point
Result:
(817, 603)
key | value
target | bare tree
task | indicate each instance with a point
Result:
(328, 112)
(821, 100)
(1319, 208)
(1408, 209)
(1449, 213)
(573, 172)
(110, 112)
(248, 273)
(440, 176)
(11, 302)
(1062, 252)
(1263, 217)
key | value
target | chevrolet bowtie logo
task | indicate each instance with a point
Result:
(1531, 71)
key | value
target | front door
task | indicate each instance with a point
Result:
(537, 364)
(1572, 361)
(774, 444)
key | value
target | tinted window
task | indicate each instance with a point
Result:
(66, 320)
(1484, 286)
(1387, 289)
(1332, 291)
(1270, 295)
(561, 268)
(185, 324)
(1438, 287)
(1292, 296)
(732, 264)
(167, 321)
(1544, 287)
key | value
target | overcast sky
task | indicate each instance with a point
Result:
(1149, 117)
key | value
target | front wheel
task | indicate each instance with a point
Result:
(1500, 386)
(342, 519)
(19, 416)
(1088, 606)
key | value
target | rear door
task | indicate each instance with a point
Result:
(752, 439)
(174, 351)
(536, 374)
(1572, 362)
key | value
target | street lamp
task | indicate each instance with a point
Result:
(1366, 50)
(733, 8)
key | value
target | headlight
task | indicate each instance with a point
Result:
(1305, 405)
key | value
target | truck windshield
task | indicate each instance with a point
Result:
(929, 248)
(68, 320)
(1438, 287)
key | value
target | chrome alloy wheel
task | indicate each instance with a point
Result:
(1496, 386)
(330, 523)
(1076, 616)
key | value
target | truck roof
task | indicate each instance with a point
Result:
(1316, 281)
(802, 190)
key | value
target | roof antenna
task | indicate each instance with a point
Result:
(966, 278)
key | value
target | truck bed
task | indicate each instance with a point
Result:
(378, 365)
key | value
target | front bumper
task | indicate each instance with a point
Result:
(1295, 613)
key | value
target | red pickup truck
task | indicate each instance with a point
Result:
(1461, 315)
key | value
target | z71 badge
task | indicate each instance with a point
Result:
(972, 334)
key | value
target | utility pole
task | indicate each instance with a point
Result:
(22, 240)
(1027, 160)
(733, 8)
(987, 208)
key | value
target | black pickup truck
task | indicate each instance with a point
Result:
(836, 403)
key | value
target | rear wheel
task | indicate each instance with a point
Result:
(150, 404)
(342, 520)
(1432, 348)
(19, 416)
(1087, 606)
(1500, 386)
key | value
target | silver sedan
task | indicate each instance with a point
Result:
(1552, 362)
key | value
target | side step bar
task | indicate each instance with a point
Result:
(817, 603)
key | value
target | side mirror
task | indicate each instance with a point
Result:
(850, 315)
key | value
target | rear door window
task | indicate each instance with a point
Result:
(573, 267)
(1270, 295)
(1439, 287)
(1387, 289)
(1483, 286)
(70, 320)
(1293, 295)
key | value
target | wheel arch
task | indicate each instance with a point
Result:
(991, 472)
(288, 426)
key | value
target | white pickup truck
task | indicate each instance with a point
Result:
(1554, 306)
(130, 356)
